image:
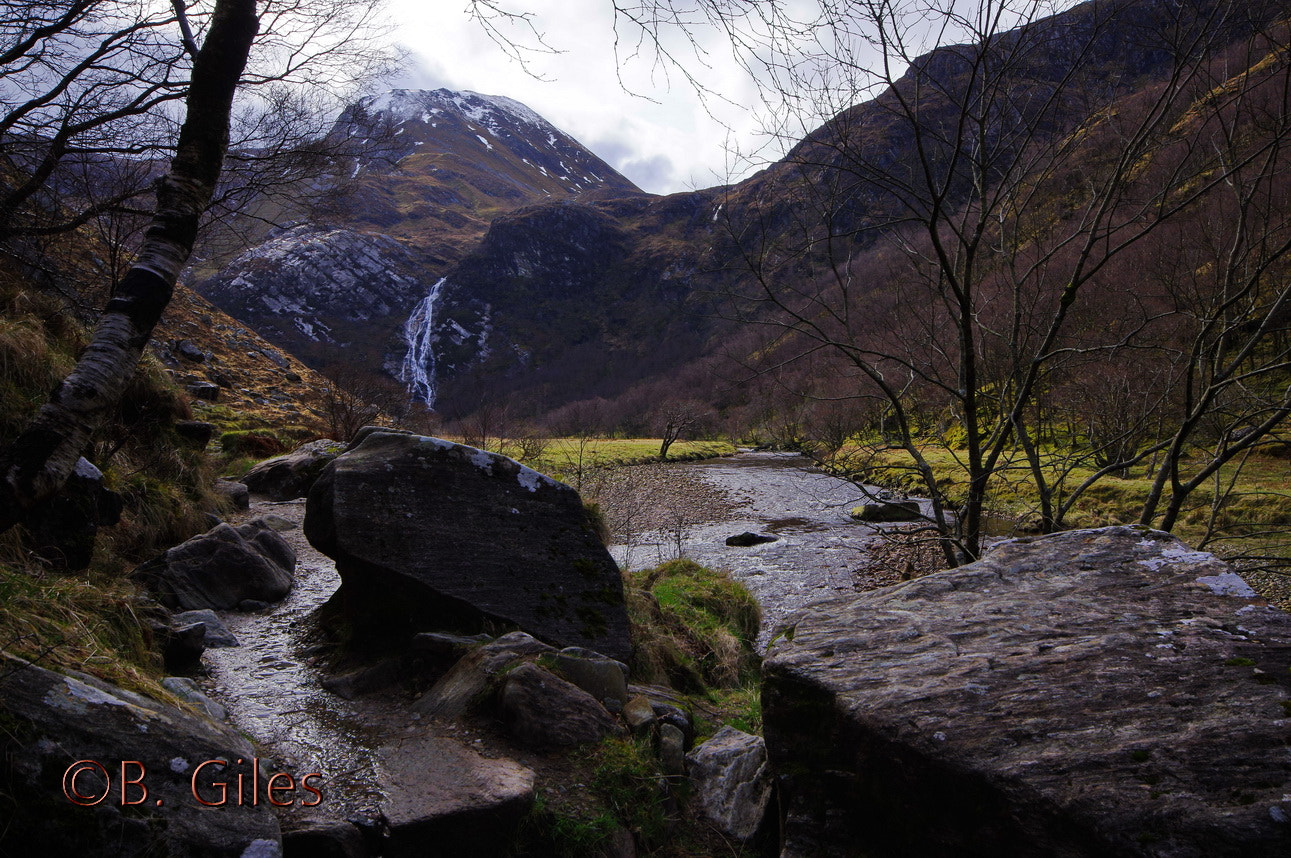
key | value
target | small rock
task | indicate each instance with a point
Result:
(235, 492)
(222, 568)
(639, 715)
(544, 711)
(731, 778)
(197, 433)
(672, 750)
(217, 634)
(600, 676)
(181, 645)
(205, 390)
(189, 350)
(276, 523)
(465, 684)
(885, 512)
(748, 539)
(253, 606)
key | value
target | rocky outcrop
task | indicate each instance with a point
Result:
(436, 535)
(732, 781)
(223, 568)
(52, 721)
(289, 477)
(1092, 693)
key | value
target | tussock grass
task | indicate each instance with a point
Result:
(694, 628)
(89, 623)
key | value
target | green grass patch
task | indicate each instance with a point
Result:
(694, 627)
(565, 457)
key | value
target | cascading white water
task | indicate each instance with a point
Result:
(419, 361)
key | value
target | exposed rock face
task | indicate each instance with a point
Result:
(309, 288)
(289, 477)
(445, 799)
(1092, 693)
(51, 721)
(221, 569)
(436, 168)
(427, 532)
(733, 781)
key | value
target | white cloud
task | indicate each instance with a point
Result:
(655, 131)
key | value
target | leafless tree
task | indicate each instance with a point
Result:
(72, 72)
(955, 239)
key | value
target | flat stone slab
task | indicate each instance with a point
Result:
(1090, 693)
(442, 798)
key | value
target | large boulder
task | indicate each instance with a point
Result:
(290, 476)
(1091, 693)
(433, 534)
(55, 724)
(221, 569)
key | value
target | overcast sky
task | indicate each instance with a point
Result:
(664, 143)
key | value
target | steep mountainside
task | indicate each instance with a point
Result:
(438, 168)
(562, 301)
(479, 255)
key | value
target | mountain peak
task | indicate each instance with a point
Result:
(491, 111)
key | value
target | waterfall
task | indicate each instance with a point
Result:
(419, 335)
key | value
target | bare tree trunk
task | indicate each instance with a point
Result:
(39, 461)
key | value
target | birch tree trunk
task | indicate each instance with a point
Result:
(40, 460)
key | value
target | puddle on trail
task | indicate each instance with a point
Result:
(818, 543)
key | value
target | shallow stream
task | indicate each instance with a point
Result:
(818, 546)
(271, 687)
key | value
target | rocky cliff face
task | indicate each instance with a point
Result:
(1091, 693)
(569, 299)
(438, 168)
(314, 290)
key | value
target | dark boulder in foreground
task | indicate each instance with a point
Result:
(431, 534)
(222, 569)
(1094, 693)
(52, 721)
